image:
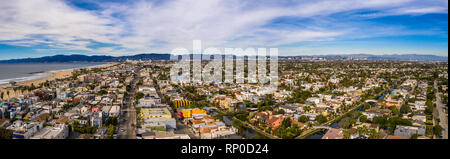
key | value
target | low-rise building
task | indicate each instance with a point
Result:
(333, 133)
(408, 131)
(52, 132)
(147, 113)
(24, 130)
(371, 113)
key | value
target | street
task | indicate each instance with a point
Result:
(127, 120)
(441, 112)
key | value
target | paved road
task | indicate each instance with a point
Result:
(441, 112)
(128, 116)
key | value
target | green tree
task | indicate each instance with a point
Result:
(344, 123)
(242, 117)
(363, 118)
(303, 119)
(5, 114)
(429, 110)
(306, 108)
(5, 133)
(405, 109)
(321, 119)
(286, 123)
(102, 92)
(373, 134)
(382, 121)
(139, 95)
(394, 110)
(437, 130)
(111, 121)
(110, 131)
(415, 136)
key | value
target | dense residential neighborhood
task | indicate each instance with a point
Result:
(315, 99)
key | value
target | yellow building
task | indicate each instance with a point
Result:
(187, 113)
(181, 103)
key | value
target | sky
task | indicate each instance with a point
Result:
(36, 28)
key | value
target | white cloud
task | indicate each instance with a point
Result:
(52, 20)
(155, 26)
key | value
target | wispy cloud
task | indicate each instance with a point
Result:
(159, 26)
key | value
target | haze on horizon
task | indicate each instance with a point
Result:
(36, 28)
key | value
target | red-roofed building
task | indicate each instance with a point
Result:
(333, 133)
(275, 122)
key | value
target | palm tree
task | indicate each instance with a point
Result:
(359, 130)
(346, 134)
(365, 130)
(373, 134)
(306, 108)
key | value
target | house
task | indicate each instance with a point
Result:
(393, 103)
(106, 110)
(237, 106)
(166, 123)
(225, 103)
(190, 113)
(52, 132)
(313, 100)
(261, 117)
(24, 130)
(219, 131)
(147, 113)
(114, 111)
(97, 119)
(375, 112)
(148, 102)
(310, 116)
(333, 133)
(275, 121)
(241, 96)
(4, 123)
(420, 117)
(408, 131)
(418, 105)
(288, 109)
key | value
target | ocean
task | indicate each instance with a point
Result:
(31, 71)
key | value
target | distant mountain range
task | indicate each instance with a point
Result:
(84, 58)
(394, 57)
(156, 56)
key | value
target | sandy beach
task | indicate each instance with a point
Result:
(55, 75)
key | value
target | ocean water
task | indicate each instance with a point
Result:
(25, 72)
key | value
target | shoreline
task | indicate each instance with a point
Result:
(56, 74)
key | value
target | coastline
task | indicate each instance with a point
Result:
(56, 74)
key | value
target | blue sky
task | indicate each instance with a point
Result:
(296, 27)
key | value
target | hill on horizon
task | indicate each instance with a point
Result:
(161, 56)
